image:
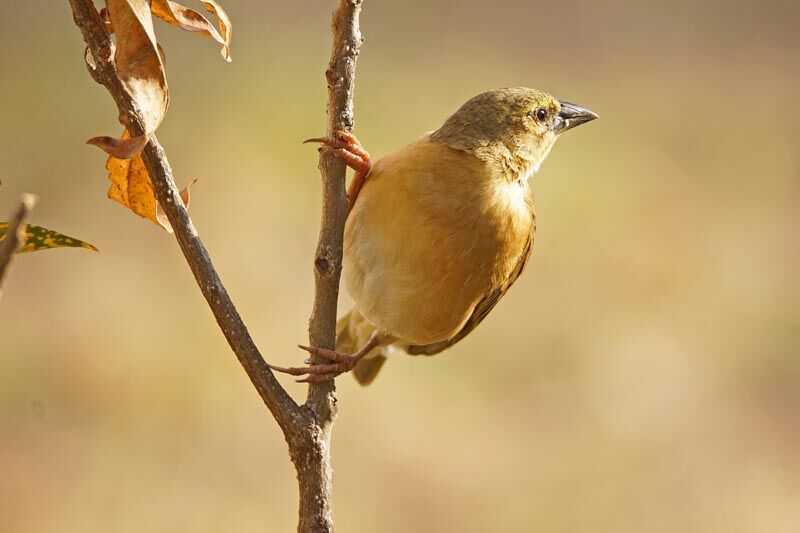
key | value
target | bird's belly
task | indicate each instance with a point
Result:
(419, 302)
(418, 277)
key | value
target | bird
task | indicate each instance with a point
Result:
(439, 230)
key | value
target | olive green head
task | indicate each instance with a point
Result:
(514, 126)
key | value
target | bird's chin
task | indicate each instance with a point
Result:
(547, 145)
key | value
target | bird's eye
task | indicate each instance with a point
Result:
(540, 114)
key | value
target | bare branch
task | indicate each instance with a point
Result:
(13, 238)
(340, 76)
(288, 414)
(315, 475)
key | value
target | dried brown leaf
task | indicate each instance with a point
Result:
(140, 63)
(131, 186)
(124, 148)
(139, 67)
(224, 23)
(191, 20)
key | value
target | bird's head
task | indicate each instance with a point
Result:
(514, 127)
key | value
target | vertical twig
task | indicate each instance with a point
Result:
(315, 474)
(13, 239)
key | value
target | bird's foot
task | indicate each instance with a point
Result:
(347, 147)
(340, 363)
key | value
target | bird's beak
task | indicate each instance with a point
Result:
(572, 115)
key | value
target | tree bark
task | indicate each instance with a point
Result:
(307, 428)
(314, 469)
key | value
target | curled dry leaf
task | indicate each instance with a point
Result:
(131, 186)
(140, 64)
(190, 20)
(140, 68)
(124, 148)
(225, 26)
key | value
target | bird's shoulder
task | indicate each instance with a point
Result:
(425, 159)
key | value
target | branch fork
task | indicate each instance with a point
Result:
(307, 428)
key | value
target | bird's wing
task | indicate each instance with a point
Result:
(481, 310)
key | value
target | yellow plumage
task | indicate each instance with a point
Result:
(435, 231)
(352, 332)
(440, 229)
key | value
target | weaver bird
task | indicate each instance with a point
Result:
(440, 229)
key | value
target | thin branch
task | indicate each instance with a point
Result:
(288, 414)
(314, 472)
(340, 76)
(13, 239)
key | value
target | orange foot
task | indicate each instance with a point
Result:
(345, 146)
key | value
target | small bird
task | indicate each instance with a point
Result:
(440, 229)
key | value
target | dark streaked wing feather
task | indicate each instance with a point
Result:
(481, 310)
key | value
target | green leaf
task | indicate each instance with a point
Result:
(39, 238)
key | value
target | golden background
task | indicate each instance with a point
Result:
(642, 375)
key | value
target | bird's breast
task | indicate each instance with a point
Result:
(432, 232)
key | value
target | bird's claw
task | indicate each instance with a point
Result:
(331, 355)
(347, 147)
(342, 140)
(315, 373)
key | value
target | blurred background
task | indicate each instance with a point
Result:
(642, 375)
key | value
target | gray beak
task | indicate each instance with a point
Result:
(572, 115)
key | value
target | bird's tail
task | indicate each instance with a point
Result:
(352, 332)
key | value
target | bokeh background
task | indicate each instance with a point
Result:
(643, 375)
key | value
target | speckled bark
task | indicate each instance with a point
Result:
(314, 467)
